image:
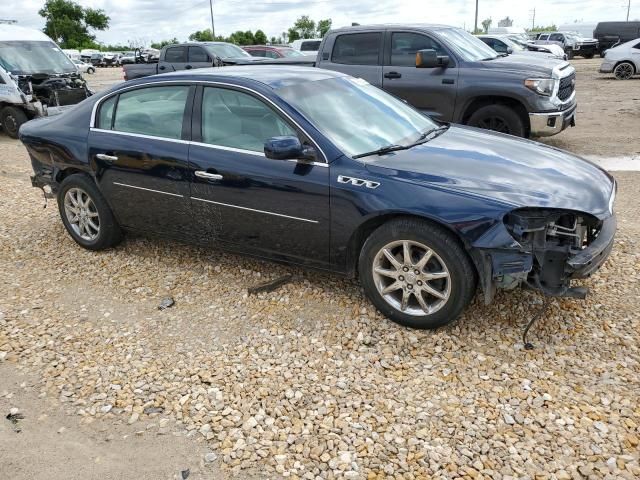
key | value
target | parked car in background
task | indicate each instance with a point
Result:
(36, 78)
(272, 51)
(128, 58)
(84, 67)
(583, 29)
(320, 169)
(623, 60)
(571, 42)
(187, 56)
(610, 34)
(85, 54)
(505, 45)
(555, 50)
(454, 77)
(308, 46)
(73, 54)
(96, 59)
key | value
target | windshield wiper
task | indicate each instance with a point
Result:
(424, 137)
(382, 150)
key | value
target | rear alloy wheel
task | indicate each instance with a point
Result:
(86, 215)
(11, 119)
(498, 118)
(91, 70)
(624, 71)
(416, 273)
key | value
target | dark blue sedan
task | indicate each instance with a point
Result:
(320, 169)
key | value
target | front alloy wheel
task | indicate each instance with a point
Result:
(623, 71)
(411, 277)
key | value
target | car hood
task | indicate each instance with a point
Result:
(510, 170)
(522, 63)
(242, 60)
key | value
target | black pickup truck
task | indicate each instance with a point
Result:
(456, 77)
(186, 56)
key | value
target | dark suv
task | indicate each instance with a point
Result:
(459, 79)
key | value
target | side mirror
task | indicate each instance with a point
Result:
(428, 58)
(509, 50)
(284, 148)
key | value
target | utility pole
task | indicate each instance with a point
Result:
(475, 24)
(533, 21)
(628, 8)
(213, 29)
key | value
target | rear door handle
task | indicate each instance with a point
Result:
(448, 81)
(392, 75)
(208, 176)
(106, 158)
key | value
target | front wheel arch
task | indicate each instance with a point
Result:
(479, 102)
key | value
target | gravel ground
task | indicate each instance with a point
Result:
(309, 381)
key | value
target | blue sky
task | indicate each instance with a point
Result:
(143, 21)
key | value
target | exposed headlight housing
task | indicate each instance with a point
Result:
(542, 86)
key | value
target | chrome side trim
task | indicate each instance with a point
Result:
(140, 135)
(254, 210)
(206, 82)
(148, 189)
(228, 149)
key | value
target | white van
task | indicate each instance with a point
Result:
(36, 78)
(307, 46)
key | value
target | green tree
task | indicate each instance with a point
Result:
(539, 28)
(164, 43)
(305, 27)
(260, 37)
(292, 35)
(69, 24)
(486, 24)
(201, 36)
(324, 26)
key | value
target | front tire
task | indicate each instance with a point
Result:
(91, 70)
(624, 71)
(11, 119)
(416, 273)
(86, 214)
(499, 118)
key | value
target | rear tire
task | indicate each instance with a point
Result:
(499, 118)
(91, 70)
(624, 70)
(11, 119)
(445, 282)
(86, 214)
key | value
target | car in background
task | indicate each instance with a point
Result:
(623, 60)
(96, 59)
(505, 45)
(308, 46)
(320, 169)
(524, 42)
(128, 58)
(571, 42)
(84, 67)
(610, 34)
(272, 51)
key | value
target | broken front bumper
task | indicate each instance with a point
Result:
(589, 260)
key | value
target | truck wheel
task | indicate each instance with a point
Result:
(499, 118)
(86, 215)
(624, 70)
(416, 273)
(11, 118)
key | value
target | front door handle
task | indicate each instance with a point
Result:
(161, 67)
(106, 158)
(448, 81)
(392, 75)
(188, 67)
(208, 176)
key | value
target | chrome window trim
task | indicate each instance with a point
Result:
(255, 210)
(206, 145)
(202, 82)
(148, 189)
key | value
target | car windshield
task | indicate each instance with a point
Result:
(470, 48)
(29, 57)
(227, 50)
(356, 116)
(511, 43)
(290, 52)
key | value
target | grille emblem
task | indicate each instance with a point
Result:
(358, 182)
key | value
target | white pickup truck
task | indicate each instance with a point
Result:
(571, 42)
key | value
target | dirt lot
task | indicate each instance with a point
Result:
(308, 381)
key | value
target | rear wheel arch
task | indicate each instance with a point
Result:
(479, 102)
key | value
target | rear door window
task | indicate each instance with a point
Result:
(155, 111)
(357, 49)
(175, 55)
(311, 46)
(106, 113)
(256, 52)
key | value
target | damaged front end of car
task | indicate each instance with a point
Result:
(45, 94)
(544, 249)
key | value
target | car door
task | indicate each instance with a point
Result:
(635, 56)
(175, 58)
(141, 157)
(432, 90)
(198, 57)
(356, 54)
(274, 208)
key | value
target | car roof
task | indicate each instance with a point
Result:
(274, 76)
(416, 26)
